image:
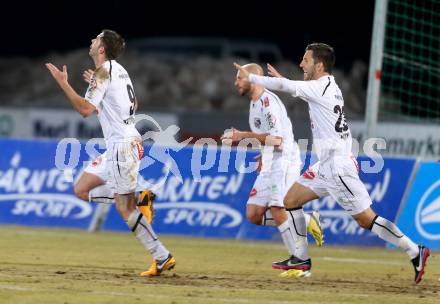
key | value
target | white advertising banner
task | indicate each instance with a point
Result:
(14, 123)
(59, 123)
(403, 139)
(50, 123)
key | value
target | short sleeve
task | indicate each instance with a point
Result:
(272, 116)
(97, 87)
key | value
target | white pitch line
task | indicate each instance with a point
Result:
(361, 261)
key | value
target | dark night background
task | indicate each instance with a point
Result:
(37, 28)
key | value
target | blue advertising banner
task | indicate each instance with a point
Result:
(201, 191)
(419, 218)
(386, 189)
(34, 192)
(204, 193)
(214, 206)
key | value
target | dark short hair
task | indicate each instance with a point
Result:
(323, 53)
(113, 44)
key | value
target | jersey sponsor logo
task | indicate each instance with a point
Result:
(427, 215)
(271, 120)
(93, 84)
(257, 122)
(266, 102)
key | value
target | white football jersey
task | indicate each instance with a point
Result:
(111, 92)
(331, 134)
(268, 115)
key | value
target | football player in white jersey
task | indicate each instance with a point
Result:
(111, 95)
(88, 186)
(336, 173)
(281, 163)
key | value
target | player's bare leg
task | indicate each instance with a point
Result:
(91, 187)
(255, 215)
(389, 232)
(259, 215)
(296, 197)
(162, 258)
(85, 183)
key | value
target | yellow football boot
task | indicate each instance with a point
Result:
(295, 273)
(157, 267)
(314, 228)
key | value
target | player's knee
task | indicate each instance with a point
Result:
(364, 222)
(279, 220)
(122, 210)
(279, 215)
(125, 205)
(291, 201)
(254, 217)
(81, 193)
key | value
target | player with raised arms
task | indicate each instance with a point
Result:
(280, 158)
(336, 172)
(111, 95)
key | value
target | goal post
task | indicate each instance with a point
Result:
(375, 69)
(404, 71)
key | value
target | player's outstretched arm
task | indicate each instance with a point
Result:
(81, 105)
(234, 135)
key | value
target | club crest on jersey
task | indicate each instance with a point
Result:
(92, 86)
(266, 102)
(257, 122)
(97, 161)
(93, 83)
(271, 120)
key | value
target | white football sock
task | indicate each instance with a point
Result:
(145, 234)
(389, 232)
(297, 225)
(287, 237)
(268, 219)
